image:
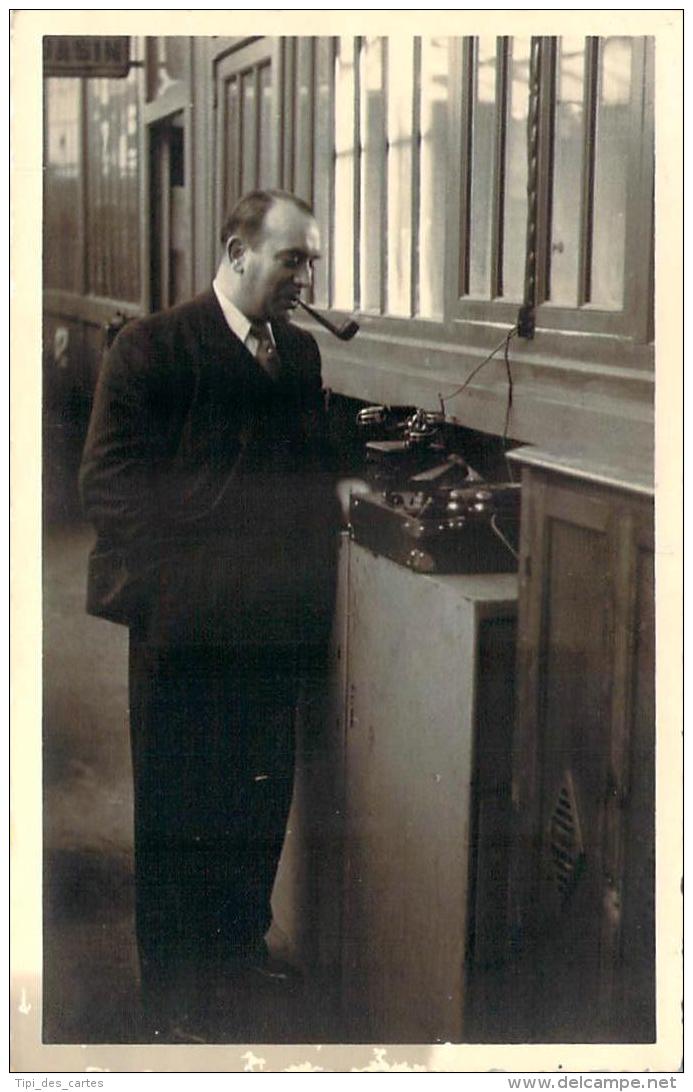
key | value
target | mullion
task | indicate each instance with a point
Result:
(468, 99)
(332, 172)
(332, 57)
(84, 283)
(533, 174)
(311, 116)
(590, 135)
(545, 167)
(415, 177)
(383, 189)
(289, 113)
(258, 112)
(238, 165)
(498, 204)
(356, 239)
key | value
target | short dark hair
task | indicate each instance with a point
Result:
(247, 217)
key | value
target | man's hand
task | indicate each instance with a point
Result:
(348, 487)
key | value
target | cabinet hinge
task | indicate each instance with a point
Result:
(350, 709)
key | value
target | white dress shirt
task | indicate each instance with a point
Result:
(237, 322)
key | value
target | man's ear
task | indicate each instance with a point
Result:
(235, 248)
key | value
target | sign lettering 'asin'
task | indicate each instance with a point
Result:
(86, 55)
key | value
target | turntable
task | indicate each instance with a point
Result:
(430, 510)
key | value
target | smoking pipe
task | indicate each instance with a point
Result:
(345, 332)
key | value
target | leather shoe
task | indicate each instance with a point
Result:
(181, 1030)
(272, 969)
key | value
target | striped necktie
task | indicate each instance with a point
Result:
(266, 353)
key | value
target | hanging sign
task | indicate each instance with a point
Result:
(86, 55)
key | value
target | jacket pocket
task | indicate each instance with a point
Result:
(116, 588)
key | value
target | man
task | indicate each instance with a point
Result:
(207, 477)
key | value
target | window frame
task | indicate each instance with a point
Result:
(245, 56)
(634, 320)
(633, 323)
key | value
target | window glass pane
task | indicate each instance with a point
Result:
(61, 235)
(567, 170)
(180, 248)
(303, 149)
(515, 204)
(265, 176)
(372, 172)
(434, 174)
(322, 167)
(399, 174)
(483, 140)
(343, 259)
(248, 131)
(231, 144)
(112, 197)
(611, 172)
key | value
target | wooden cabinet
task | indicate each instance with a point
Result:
(582, 890)
(393, 881)
(427, 775)
(460, 869)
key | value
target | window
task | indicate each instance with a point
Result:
(112, 188)
(591, 160)
(465, 176)
(246, 93)
(414, 152)
(61, 185)
(391, 118)
(91, 187)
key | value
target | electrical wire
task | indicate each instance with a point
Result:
(509, 405)
(505, 341)
(496, 529)
(504, 345)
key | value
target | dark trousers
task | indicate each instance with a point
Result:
(212, 732)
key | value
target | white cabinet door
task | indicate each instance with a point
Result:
(410, 738)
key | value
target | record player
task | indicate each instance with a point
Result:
(428, 508)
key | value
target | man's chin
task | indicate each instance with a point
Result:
(284, 310)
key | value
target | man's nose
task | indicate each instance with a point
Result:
(303, 275)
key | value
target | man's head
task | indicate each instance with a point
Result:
(271, 240)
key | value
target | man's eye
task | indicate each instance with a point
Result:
(294, 261)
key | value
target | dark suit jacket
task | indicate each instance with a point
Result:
(209, 484)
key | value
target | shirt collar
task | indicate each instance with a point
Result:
(237, 322)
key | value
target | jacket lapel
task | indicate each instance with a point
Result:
(220, 346)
